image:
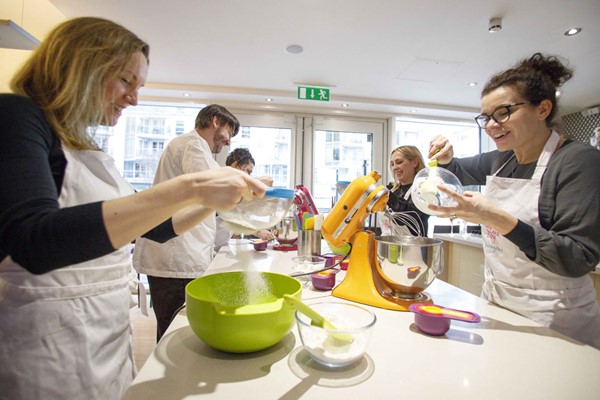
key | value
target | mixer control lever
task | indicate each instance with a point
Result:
(350, 216)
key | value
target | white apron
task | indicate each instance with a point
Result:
(66, 334)
(512, 280)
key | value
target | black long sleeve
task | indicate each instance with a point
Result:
(398, 203)
(34, 231)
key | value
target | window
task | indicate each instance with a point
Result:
(271, 150)
(464, 136)
(141, 135)
(179, 127)
(338, 156)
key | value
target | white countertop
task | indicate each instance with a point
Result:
(504, 356)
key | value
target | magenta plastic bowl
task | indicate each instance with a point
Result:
(260, 245)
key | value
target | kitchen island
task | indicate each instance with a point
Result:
(504, 356)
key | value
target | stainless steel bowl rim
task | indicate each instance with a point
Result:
(408, 240)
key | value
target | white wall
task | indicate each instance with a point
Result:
(37, 17)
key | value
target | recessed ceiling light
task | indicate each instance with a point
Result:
(345, 105)
(471, 84)
(294, 49)
(413, 111)
(572, 31)
(268, 99)
(558, 93)
(186, 95)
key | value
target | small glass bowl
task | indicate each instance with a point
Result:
(306, 264)
(341, 347)
(238, 246)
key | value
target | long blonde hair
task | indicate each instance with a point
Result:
(68, 73)
(410, 153)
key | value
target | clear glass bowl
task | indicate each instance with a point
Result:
(251, 216)
(239, 246)
(305, 264)
(424, 191)
(346, 344)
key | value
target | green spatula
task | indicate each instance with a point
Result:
(317, 319)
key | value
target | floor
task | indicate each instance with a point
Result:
(144, 334)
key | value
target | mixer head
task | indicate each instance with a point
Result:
(362, 197)
(304, 201)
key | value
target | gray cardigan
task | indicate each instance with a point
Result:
(568, 242)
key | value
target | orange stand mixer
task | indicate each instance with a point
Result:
(369, 281)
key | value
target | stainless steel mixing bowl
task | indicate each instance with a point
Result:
(408, 264)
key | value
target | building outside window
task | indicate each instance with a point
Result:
(271, 150)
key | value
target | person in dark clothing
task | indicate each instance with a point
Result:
(405, 163)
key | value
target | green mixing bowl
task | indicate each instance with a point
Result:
(241, 312)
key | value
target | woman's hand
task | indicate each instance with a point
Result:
(265, 234)
(441, 149)
(476, 208)
(223, 188)
(267, 180)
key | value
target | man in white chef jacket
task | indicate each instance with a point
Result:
(173, 264)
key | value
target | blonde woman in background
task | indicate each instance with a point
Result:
(67, 217)
(405, 163)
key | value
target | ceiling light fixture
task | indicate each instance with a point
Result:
(471, 84)
(495, 25)
(268, 99)
(186, 95)
(572, 31)
(294, 49)
(413, 111)
(345, 105)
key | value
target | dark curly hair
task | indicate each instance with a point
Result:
(536, 78)
(241, 156)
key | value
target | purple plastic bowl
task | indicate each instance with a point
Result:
(431, 324)
(260, 245)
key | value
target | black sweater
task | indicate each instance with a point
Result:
(34, 231)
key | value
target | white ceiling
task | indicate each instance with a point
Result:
(379, 56)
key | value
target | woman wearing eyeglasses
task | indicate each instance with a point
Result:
(540, 211)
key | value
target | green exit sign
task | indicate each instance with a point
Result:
(313, 93)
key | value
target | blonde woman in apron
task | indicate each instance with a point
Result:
(541, 236)
(67, 218)
(73, 311)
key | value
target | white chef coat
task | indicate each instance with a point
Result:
(188, 255)
(66, 333)
(512, 280)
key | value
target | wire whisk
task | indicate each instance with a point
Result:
(404, 223)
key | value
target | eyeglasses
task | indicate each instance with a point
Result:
(500, 115)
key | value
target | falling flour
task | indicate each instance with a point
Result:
(257, 288)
